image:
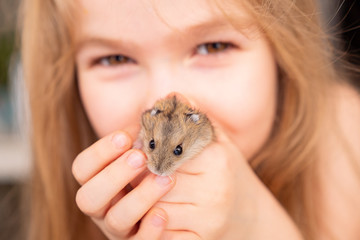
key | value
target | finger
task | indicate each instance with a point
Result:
(152, 225)
(222, 136)
(93, 159)
(179, 212)
(95, 196)
(187, 216)
(131, 208)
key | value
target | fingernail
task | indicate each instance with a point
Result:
(119, 140)
(164, 181)
(158, 220)
(136, 160)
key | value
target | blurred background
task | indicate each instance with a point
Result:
(14, 153)
(13, 159)
(340, 17)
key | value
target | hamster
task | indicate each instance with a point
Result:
(171, 133)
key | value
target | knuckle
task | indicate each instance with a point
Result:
(86, 205)
(98, 151)
(143, 197)
(115, 224)
(111, 173)
(140, 237)
(76, 169)
(76, 173)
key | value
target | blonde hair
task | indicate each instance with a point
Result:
(286, 163)
(60, 129)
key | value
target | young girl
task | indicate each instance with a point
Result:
(285, 164)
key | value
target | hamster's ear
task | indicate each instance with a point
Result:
(195, 117)
(147, 121)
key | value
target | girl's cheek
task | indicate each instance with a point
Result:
(244, 108)
(248, 132)
(111, 105)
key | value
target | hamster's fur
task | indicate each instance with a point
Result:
(171, 133)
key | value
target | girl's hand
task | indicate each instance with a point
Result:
(104, 170)
(218, 196)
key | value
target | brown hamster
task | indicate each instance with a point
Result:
(171, 133)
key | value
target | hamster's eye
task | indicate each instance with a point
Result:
(178, 150)
(152, 144)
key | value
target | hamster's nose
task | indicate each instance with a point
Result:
(158, 168)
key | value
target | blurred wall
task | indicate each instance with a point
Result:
(14, 157)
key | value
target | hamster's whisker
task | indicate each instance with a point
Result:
(184, 230)
(172, 179)
(179, 203)
(189, 173)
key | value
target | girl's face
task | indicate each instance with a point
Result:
(132, 52)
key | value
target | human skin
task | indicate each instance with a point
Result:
(130, 54)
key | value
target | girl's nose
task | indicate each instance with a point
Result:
(163, 81)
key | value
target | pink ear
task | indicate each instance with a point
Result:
(154, 112)
(195, 117)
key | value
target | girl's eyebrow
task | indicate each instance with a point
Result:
(205, 26)
(217, 24)
(103, 42)
(196, 30)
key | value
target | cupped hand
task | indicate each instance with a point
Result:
(104, 171)
(218, 196)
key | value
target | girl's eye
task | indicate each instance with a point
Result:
(114, 60)
(212, 48)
